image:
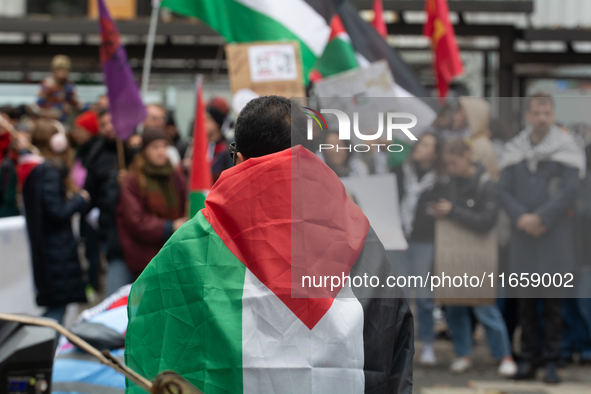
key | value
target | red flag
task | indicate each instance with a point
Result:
(447, 61)
(200, 178)
(378, 19)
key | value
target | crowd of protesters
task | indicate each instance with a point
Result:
(86, 195)
(530, 187)
(62, 163)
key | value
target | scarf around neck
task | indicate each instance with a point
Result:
(160, 190)
(557, 146)
(413, 189)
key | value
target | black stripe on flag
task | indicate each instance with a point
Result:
(325, 8)
(388, 328)
(373, 47)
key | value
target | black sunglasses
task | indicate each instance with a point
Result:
(233, 152)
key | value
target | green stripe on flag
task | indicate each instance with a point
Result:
(185, 312)
(239, 23)
(338, 56)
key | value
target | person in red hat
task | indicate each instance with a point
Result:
(84, 135)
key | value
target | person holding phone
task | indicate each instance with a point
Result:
(472, 202)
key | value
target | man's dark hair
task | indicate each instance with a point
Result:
(170, 121)
(542, 98)
(11, 112)
(102, 112)
(265, 126)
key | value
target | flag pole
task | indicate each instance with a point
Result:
(120, 153)
(150, 47)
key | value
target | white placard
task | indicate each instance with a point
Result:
(241, 98)
(377, 196)
(269, 63)
(17, 289)
(369, 91)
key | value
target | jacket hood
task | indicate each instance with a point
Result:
(477, 114)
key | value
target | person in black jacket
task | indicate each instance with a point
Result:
(472, 202)
(51, 198)
(419, 184)
(102, 182)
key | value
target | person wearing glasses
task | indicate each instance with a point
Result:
(218, 303)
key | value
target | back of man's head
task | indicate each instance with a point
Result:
(265, 126)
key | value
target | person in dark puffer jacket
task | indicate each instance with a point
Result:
(49, 209)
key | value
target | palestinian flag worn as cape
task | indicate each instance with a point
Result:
(265, 20)
(215, 305)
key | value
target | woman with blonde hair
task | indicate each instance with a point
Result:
(51, 199)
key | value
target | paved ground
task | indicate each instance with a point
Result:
(483, 378)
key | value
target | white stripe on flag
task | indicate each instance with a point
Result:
(425, 114)
(281, 355)
(363, 62)
(297, 16)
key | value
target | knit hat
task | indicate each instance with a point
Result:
(88, 121)
(151, 135)
(218, 109)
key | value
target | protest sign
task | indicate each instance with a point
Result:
(460, 252)
(377, 196)
(264, 68)
(369, 91)
(17, 290)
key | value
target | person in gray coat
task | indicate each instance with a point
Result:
(540, 178)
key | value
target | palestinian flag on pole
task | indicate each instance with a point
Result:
(368, 47)
(200, 180)
(355, 43)
(265, 20)
(339, 54)
(216, 304)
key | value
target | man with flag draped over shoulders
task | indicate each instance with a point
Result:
(218, 306)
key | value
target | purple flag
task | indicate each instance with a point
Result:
(125, 103)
